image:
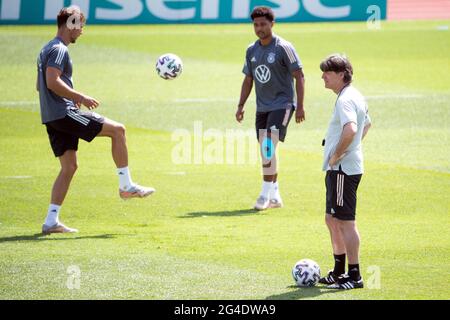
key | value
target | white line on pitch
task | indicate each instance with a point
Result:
(18, 103)
(18, 177)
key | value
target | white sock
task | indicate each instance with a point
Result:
(275, 192)
(265, 192)
(52, 215)
(125, 181)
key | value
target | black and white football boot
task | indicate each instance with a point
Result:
(344, 282)
(330, 278)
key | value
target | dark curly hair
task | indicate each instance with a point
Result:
(263, 12)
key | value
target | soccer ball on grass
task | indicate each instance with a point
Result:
(306, 273)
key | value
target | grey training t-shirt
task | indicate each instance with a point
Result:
(350, 106)
(271, 67)
(54, 54)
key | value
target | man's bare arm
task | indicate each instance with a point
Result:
(348, 133)
(300, 90)
(366, 129)
(247, 86)
(59, 87)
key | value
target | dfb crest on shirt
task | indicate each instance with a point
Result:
(271, 57)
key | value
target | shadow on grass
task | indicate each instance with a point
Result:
(54, 237)
(219, 213)
(300, 293)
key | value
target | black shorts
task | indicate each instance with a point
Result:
(341, 194)
(277, 119)
(64, 133)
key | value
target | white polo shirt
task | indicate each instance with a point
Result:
(350, 106)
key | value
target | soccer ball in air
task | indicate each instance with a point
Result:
(169, 66)
(306, 273)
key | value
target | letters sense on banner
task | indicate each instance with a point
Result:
(187, 11)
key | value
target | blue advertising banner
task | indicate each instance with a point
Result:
(190, 11)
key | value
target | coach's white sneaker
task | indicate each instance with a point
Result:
(136, 191)
(262, 203)
(275, 203)
(57, 228)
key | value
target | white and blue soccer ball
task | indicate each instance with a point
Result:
(306, 273)
(169, 66)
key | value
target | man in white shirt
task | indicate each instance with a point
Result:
(343, 163)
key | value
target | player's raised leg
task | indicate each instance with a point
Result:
(127, 188)
(68, 168)
(116, 131)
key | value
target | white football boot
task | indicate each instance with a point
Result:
(262, 203)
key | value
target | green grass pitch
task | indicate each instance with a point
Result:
(197, 238)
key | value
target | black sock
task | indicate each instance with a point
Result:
(339, 264)
(353, 272)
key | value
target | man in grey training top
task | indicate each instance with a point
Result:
(272, 64)
(343, 163)
(66, 123)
